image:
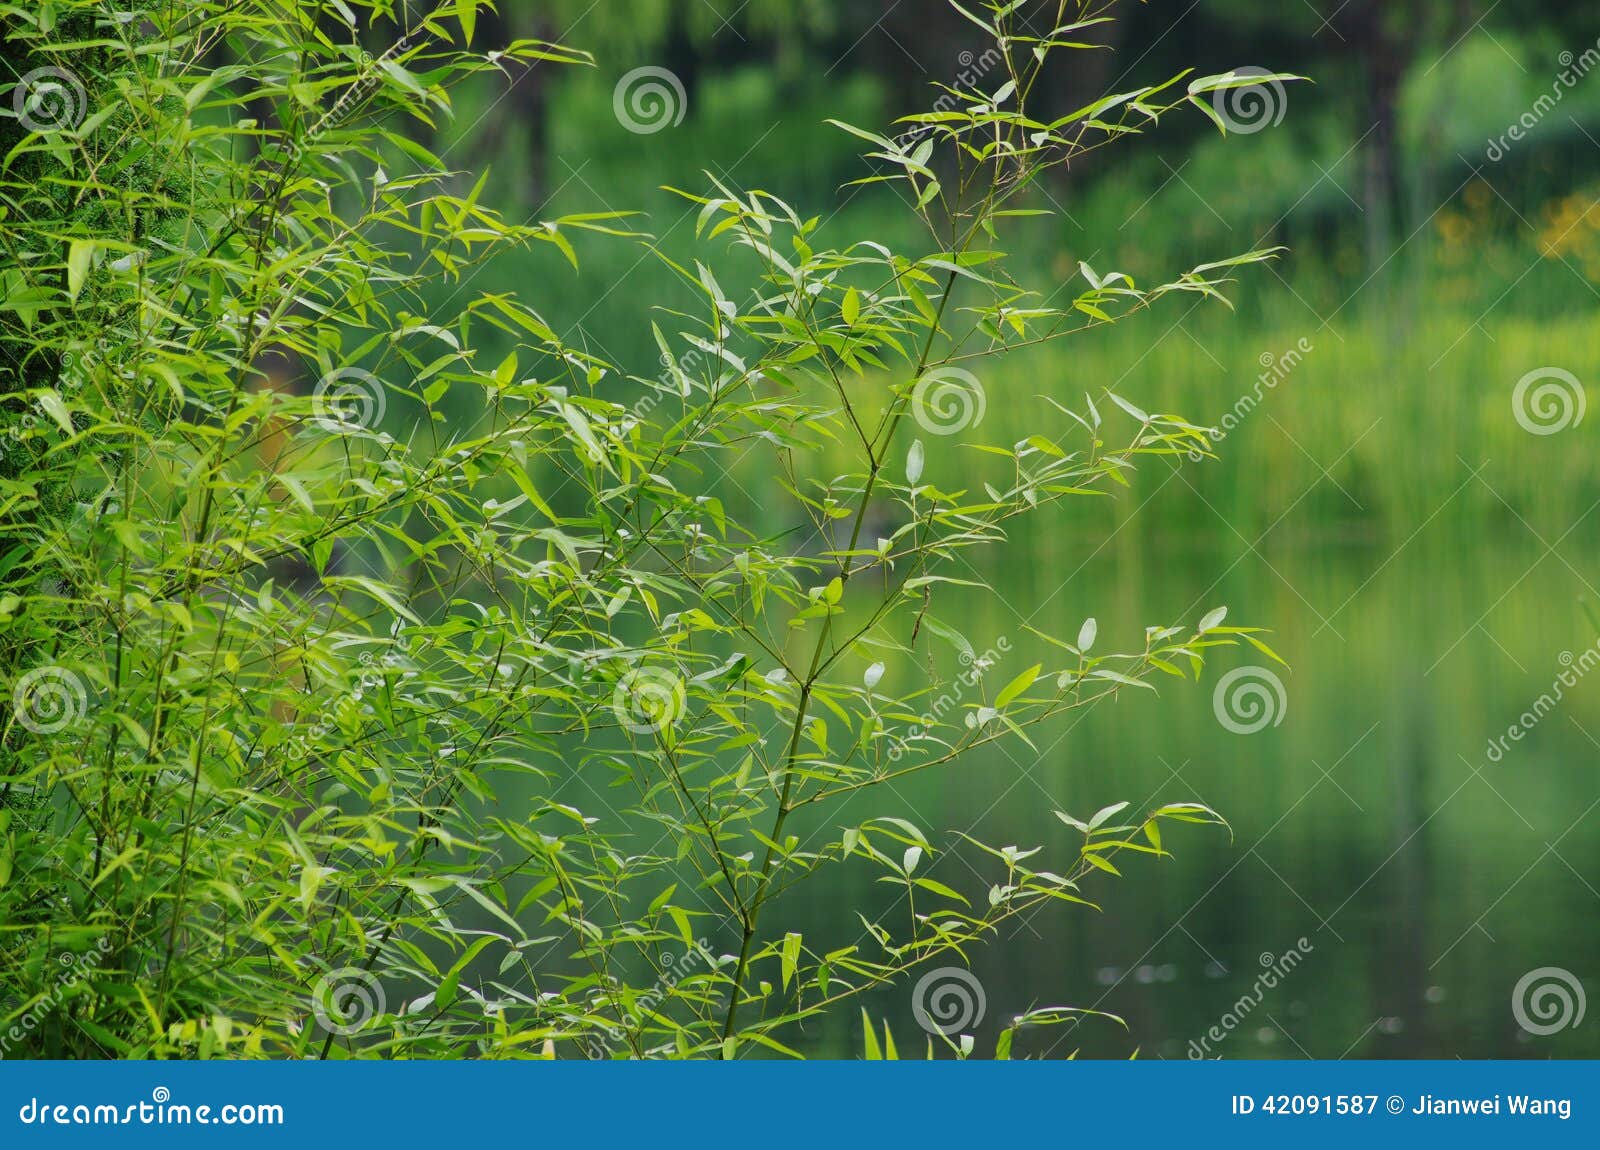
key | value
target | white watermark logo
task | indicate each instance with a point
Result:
(1548, 400)
(74, 969)
(948, 1000)
(347, 999)
(947, 400)
(159, 1110)
(49, 100)
(1275, 370)
(1251, 108)
(1547, 1000)
(974, 667)
(674, 971)
(1249, 699)
(649, 699)
(1275, 968)
(348, 399)
(48, 699)
(973, 69)
(1573, 69)
(648, 100)
(1575, 668)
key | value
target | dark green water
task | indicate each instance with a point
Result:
(1372, 820)
(1427, 871)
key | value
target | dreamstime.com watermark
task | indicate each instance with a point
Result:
(674, 971)
(1576, 667)
(974, 667)
(160, 1110)
(973, 69)
(1275, 968)
(1573, 69)
(371, 76)
(74, 969)
(1276, 369)
(302, 743)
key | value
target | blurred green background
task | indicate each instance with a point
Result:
(1421, 552)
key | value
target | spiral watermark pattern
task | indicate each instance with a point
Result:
(1548, 999)
(947, 400)
(1249, 699)
(648, 100)
(649, 699)
(1548, 400)
(1251, 108)
(347, 999)
(348, 399)
(49, 699)
(948, 1000)
(49, 100)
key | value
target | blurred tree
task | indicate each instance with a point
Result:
(679, 35)
(1370, 45)
(913, 45)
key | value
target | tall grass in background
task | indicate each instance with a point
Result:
(1409, 384)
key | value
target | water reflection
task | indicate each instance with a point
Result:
(1425, 879)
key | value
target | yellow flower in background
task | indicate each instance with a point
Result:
(1570, 230)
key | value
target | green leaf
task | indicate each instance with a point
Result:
(1152, 831)
(1265, 650)
(850, 310)
(681, 918)
(790, 957)
(874, 1053)
(1002, 1045)
(446, 992)
(1119, 677)
(80, 254)
(55, 407)
(1100, 816)
(1141, 416)
(914, 458)
(1096, 861)
(297, 491)
(940, 888)
(1018, 685)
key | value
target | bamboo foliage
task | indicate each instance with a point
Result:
(375, 695)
